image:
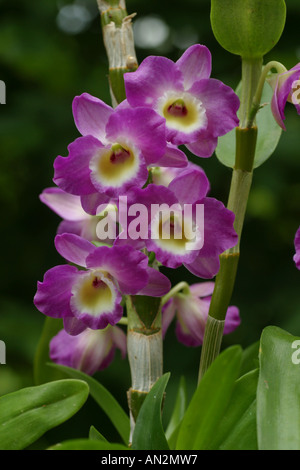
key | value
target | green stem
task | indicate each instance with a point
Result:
(237, 202)
(180, 286)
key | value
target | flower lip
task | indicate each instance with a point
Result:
(93, 294)
(115, 166)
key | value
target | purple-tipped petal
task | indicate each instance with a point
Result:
(221, 105)
(91, 115)
(73, 248)
(67, 206)
(154, 76)
(127, 265)
(168, 314)
(195, 64)
(91, 202)
(72, 173)
(54, 293)
(282, 93)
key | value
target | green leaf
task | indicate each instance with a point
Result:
(42, 373)
(268, 135)
(28, 413)
(178, 413)
(249, 28)
(105, 400)
(95, 435)
(237, 429)
(278, 392)
(87, 444)
(148, 432)
(210, 401)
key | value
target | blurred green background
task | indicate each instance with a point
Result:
(51, 51)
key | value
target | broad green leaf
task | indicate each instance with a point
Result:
(250, 358)
(278, 392)
(88, 444)
(268, 135)
(210, 401)
(237, 429)
(27, 414)
(148, 432)
(42, 373)
(177, 414)
(249, 28)
(105, 400)
(95, 435)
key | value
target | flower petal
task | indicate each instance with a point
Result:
(221, 105)
(204, 267)
(173, 157)
(141, 126)
(65, 205)
(127, 265)
(203, 148)
(158, 284)
(73, 248)
(154, 76)
(296, 257)
(54, 293)
(191, 185)
(232, 320)
(195, 64)
(202, 289)
(91, 115)
(72, 173)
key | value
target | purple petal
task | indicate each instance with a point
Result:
(204, 267)
(65, 205)
(101, 321)
(232, 320)
(73, 326)
(72, 173)
(127, 265)
(168, 313)
(281, 94)
(141, 126)
(297, 248)
(221, 105)
(73, 248)
(173, 157)
(203, 148)
(154, 76)
(158, 284)
(54, 293)
(91, 202)
(120, 339)
(195, 64)
(190, 186)
(202, 289)
(91, 115)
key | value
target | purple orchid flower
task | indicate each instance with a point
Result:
(91, 297)
(169, 231)
(75, 219)
(197, 109)
(286, 89)
(297, 248)
(89, 351)
(191, 311)
(114, 152)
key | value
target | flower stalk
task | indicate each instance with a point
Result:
(237, 202)
(119, 44)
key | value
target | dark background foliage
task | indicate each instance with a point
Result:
(49, 53)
